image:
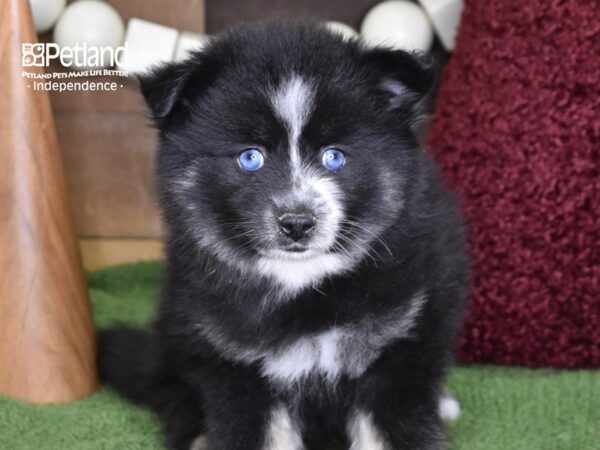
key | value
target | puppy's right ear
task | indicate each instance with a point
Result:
(162, 88)
(172, 87)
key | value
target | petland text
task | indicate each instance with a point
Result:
(81, 55)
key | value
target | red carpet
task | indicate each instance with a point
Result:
(517, 131)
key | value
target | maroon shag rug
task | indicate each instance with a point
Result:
(517, 132)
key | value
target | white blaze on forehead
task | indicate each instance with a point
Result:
(364, 434)
(282, 431)
(292, 102)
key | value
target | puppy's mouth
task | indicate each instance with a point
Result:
(296, 248)
(293, 252)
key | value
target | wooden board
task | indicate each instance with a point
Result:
(105, 252)
(109, 161)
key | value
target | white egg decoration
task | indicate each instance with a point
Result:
(444, 16)
(345, 30)
(398, 24)
(45, 13)
(93, 24)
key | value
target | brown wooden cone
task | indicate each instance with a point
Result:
(47, 339)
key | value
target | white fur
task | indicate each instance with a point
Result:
(292, 102)
(348, 349)
(282, 431)
(318, 353)
(449, 408)
(363, 433)
(295, 274)
(328, 193)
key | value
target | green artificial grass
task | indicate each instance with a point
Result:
(503, 408)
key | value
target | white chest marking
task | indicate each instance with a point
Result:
(349, 349)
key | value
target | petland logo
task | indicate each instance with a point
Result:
(79, 56)
(88, 61)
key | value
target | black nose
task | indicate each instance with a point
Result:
(296, 226)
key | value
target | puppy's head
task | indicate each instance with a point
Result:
(285, 149)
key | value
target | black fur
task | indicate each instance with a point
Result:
(192, 368)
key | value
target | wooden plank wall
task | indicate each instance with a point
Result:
(108, 149)
(221, 13)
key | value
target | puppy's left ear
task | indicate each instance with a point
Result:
(406, 77)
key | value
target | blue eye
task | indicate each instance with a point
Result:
(333, 159)
(251, 159)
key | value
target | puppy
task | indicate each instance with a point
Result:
(316, 267)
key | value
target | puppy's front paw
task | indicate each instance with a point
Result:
(364, 434)
(199, 443)
(283, 433)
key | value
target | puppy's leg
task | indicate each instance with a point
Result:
(282, 431)
(182, 417)
(241, 413)
(179, 409)
(390, 416)
(364, 434)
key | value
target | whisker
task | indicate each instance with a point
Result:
(366, 248)
(357, 225)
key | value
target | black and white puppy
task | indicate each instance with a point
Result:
(316, 267)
